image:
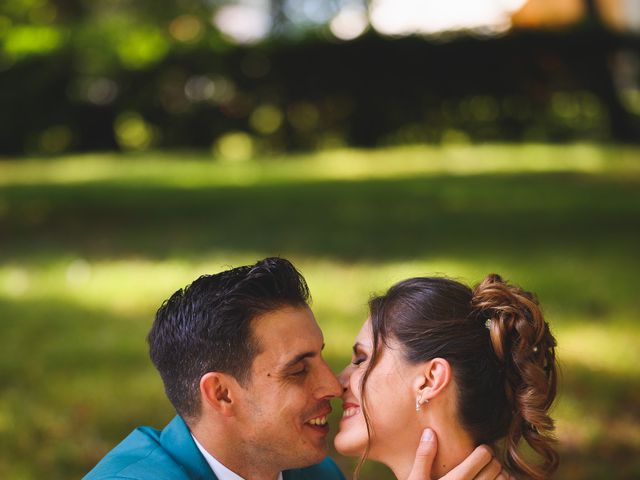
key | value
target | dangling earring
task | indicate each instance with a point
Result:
(419, 402)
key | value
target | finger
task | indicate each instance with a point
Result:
(491, 471)
(504, 475)
(472, 465)
(425, 454)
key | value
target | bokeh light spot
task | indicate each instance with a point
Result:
(186, 29)
(99, 91)
(243, 23)
(133, 132)
(56, 139)
(142, 46)
(406, 17)
(266, 119)
(25, 40)
(224, 91)
(234, 147)
(199, 88)
(350, 23)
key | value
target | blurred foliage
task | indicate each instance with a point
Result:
(91, 245)
(72, 70)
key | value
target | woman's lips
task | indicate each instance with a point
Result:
(349, 410)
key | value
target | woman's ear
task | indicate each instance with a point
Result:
(216, 393)
(433, 377)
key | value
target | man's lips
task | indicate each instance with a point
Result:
(319, 419)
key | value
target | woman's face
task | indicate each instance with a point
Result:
(390, 401)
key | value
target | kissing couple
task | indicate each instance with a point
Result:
(439, 373)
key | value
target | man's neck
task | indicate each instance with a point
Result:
(235, 456)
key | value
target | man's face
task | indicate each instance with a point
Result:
(284, 407)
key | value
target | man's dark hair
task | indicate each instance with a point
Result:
(206, 327)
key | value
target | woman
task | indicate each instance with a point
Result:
(475, 366)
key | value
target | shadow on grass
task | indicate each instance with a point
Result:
(373, 219)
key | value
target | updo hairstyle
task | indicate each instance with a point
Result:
(502, 356)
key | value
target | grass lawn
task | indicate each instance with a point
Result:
(91, 245)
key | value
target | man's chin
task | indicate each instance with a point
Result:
(310, 457)
(314, 453)
(321, 449)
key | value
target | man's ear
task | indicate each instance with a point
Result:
(433, 377)
(217, 392)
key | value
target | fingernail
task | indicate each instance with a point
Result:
(427, 435)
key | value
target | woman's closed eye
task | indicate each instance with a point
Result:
(358, 360)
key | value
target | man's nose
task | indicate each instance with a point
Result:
(331, 387)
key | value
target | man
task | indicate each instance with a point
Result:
(240, 355)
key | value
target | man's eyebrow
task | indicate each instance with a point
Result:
(298, 358)
(356, 346)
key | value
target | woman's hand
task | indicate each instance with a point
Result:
(480, 465)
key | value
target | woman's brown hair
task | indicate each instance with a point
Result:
(501, 352)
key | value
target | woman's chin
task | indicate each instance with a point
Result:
(349, 446)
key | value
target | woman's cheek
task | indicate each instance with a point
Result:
(355, 383)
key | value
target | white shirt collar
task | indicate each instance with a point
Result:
(219, 470)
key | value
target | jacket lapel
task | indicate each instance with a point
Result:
(177, 442)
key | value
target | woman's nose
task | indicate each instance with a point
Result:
(344, 376)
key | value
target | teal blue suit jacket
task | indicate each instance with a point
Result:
(171, 454)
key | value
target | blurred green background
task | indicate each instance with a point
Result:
(143, 144)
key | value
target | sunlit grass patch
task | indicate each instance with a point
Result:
(605, 347)
(195, 169)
